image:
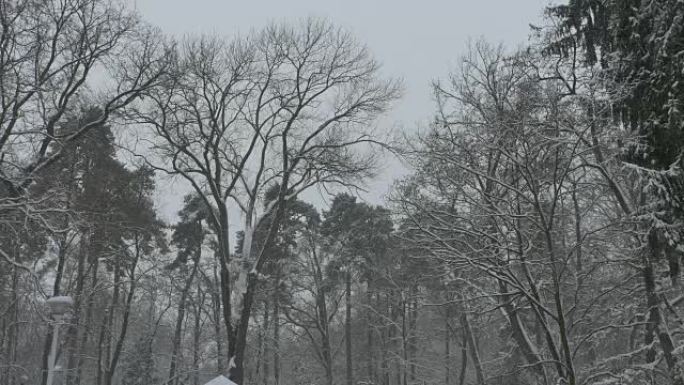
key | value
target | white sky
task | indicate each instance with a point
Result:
(418, 41)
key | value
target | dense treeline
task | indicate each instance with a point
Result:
(536, 240)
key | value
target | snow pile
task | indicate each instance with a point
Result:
(220, 380)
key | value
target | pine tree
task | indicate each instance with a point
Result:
(640, 48)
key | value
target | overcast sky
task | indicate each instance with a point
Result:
(416, 40)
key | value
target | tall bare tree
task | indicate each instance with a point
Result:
(287, 106)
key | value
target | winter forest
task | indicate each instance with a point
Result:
(535, 238)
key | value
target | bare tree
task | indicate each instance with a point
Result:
(502, 186)
(285, 107)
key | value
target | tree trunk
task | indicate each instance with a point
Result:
(61, 259)
(472, 345)
(656, 326)
(179, 320)
(326, 349)
(347, 329)
(464, 357)
(124, 328)
(519, 332)
(73, 334)
(404, 341)
(197, 332)
(266, 344)
(94, 266)
(12, 328)
(101, 349)
(385, 344)
(413, 332)
(46, 355)
(262, 374)
(447, 346)
(222, 228)
(107, 330)
(216, 301)
(369, 335)
(276, 333)
(398, 346)
(323, 329)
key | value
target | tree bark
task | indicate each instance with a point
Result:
(404, 340)
(216, 302)
(656, 324)
(263, 355)
(197, 333)
(13, 328)
(107, 331)
(472, 347)
(222, 229)
(347, 329)
(177, 335)
(447, 346)
(464, 357)
(124, 323)
(413, 332)
(56, 289)
(73, 334)
(276, 333)
(372, 378)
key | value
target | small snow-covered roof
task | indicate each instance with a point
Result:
(220, 380)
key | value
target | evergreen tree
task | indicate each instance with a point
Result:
(640, 48)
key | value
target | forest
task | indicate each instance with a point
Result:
(536, 238)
